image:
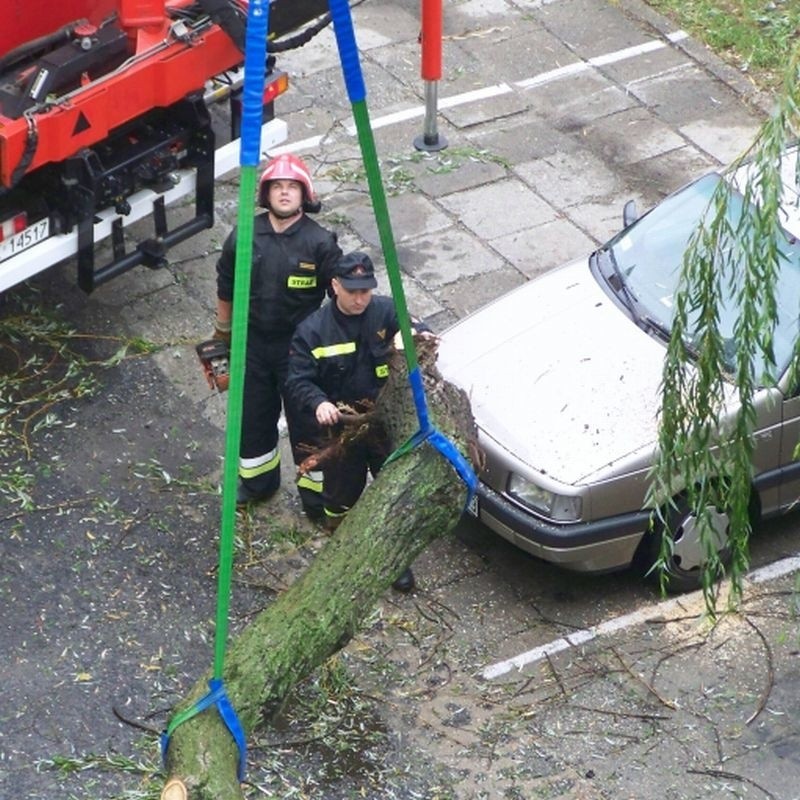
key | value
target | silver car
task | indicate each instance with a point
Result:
(563, 375)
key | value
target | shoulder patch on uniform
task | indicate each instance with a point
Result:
(381, 334)
(307, 265)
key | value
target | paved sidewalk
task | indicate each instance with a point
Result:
(554, 114)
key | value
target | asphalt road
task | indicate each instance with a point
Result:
(555, 114)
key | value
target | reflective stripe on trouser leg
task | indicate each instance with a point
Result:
(335, 516)
(261, 476)
(311, 481)
(253, 467)
(309, 487)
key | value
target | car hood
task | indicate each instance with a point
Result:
(558, 375)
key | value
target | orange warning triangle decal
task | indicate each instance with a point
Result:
(81, 124)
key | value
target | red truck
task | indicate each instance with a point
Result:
(109, 112)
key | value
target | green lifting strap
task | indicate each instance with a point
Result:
(255, 69)
(233, 425)
(356, 90)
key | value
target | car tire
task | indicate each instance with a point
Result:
(684, 567)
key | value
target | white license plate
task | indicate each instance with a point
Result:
(32, 235)
(472, 506)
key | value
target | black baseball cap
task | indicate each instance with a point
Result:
(355, 271)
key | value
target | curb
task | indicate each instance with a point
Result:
(698, 51)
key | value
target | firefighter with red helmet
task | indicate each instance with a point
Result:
(293, 262)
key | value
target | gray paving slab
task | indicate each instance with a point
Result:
(411, 215)
(590, 29)
(521, 137)
(500, 208)
(480, 14)
(631, 136)
(462, 71)
(601, 220)
(518, 50)
(534, 251)
(570, 177)
(629, 72)
(656, 177)
(456, 168)
(376, 28)
(726, 138)
(448, 256)
(500, 106)
(687, 94)
(467, 294)
(575, 101)
(326, 89)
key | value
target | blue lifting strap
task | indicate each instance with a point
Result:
(215, 697)
(436, 438)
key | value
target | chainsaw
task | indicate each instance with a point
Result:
(214, 358)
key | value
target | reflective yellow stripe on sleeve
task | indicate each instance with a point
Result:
(328, 351)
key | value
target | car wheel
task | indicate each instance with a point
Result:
(684, 566)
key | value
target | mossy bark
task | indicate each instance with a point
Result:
(415, 499)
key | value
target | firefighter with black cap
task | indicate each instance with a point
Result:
(292, 266)
(339, 357)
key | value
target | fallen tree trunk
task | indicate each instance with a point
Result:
(415, 499)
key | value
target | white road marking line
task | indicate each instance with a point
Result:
(475, 95)
(498, 89)
(445, 102)
(777, 570)
(293, 147)
(558, 74)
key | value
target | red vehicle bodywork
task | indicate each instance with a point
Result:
(110, 110)
(160, 71)
(29, 19)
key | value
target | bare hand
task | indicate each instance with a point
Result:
(327, 413)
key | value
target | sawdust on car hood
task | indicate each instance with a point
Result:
(558, 375)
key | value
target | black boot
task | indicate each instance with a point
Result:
(316, 513)
(245, 496)
(406, 582)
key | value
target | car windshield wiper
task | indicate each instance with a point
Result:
(616, 280)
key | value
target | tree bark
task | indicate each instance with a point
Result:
(414, 500)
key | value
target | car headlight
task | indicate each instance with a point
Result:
(558, 507)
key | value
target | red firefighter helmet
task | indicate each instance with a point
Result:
(288, 167)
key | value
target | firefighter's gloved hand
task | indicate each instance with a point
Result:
(222, 331)
(222, 336)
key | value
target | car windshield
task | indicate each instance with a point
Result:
(647, 257)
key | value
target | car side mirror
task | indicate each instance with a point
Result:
(629, 213)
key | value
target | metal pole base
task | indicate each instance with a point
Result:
(430, 144)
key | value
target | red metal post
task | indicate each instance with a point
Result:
(430, 38)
